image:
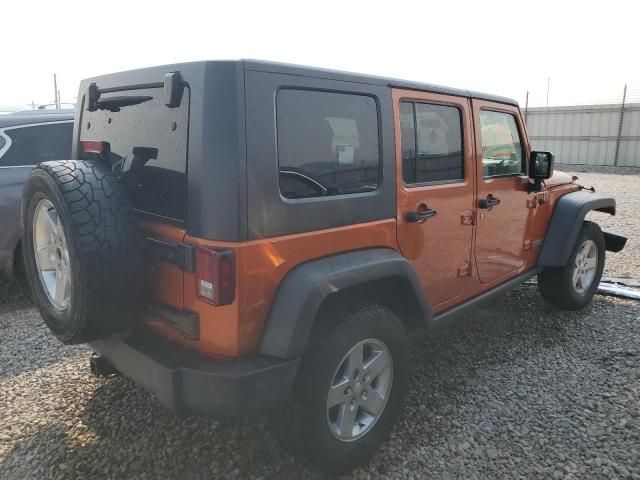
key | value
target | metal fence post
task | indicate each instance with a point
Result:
(620, 121)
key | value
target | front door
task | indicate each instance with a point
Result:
(502, 207)
(435, 185)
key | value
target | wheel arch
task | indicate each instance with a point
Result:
(318, 289)
(566, 222)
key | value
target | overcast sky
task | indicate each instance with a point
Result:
(588, 49)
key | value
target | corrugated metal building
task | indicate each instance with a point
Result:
(589, 134)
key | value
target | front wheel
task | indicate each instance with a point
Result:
(573, 286)
(350, 391)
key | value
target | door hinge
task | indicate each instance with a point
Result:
(465, 270)
(532, 202)
(468, 218)
(527, 245)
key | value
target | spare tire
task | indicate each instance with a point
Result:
(82, 249)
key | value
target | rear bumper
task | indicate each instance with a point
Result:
(189, 383)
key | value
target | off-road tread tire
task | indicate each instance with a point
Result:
(555, 284)
(299, 433)
(105, 247)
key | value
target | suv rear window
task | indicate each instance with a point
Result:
(327, 143)
(148, 141)
(38, 143)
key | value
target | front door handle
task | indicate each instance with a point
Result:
(489, 202)
(421, 215)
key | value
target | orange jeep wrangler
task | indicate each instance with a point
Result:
(244, 237)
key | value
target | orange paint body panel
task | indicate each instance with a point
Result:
(235, 329)
(458, 254)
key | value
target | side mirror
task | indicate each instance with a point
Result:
(540, 165)
(540, 168)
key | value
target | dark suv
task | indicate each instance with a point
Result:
(247, 237)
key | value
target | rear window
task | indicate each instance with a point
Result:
(37, 143)
(148, 141)
(327, 143)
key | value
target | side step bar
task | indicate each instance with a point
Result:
(459, 310)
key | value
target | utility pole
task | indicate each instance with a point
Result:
(33, 105)
(620, 122)
(56, 93)
(548, 81)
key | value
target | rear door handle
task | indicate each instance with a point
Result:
(421, 216)
(489, 202)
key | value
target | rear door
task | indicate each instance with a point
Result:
(503, 213)
(435, 188)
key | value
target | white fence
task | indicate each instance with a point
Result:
(588, 135)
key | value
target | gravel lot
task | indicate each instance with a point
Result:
(514, 390)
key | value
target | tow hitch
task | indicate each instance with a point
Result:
(101, 367)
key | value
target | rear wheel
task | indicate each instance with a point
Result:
(81, 249)
(349, 392)
(573, 286)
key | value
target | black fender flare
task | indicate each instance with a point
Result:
(306, 286)
(566, 222)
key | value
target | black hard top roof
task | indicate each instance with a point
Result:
(132, 76)
(35, 116)
(264, 66)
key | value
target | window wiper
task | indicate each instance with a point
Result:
(114, 104)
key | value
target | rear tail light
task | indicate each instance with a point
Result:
(215, 276)
(89, 146)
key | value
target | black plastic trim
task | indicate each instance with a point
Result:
(187, 323)
(189, 383)
(180, 254)
(462, 308)
(614, 241)
(304, 288)
(566, 222)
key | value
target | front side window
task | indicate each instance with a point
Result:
(501, 145)
(327, 143)
(431, 137)
(38, 143)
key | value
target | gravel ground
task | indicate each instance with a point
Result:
(514, 390)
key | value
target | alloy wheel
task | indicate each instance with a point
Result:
(586, 265)
(359, 390)
(52, 254)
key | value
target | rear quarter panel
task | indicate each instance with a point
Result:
(236, 329)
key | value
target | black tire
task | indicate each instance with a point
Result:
(303, 425)
(104, 245)
(556, 284)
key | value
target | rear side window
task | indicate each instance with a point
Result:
(327, 143)
(431, 137)
(38, 143)
(501, 145)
